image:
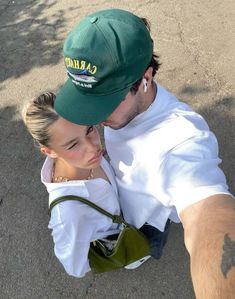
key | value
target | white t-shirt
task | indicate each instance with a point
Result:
(165, 159)
(74, 224)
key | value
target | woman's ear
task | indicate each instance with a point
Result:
(48, 152)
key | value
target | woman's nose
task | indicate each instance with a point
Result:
(91, 145)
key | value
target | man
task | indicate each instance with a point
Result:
(163, 153)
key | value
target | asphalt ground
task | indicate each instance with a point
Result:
(195, 41)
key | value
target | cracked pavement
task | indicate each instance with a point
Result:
(195, 42)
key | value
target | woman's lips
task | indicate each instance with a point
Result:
(96, 157)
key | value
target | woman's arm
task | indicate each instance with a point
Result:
(71, 236)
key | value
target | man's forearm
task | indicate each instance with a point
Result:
(210, 240)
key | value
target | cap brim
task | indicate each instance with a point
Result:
(86, 109)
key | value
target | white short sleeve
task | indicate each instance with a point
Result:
(191, 172)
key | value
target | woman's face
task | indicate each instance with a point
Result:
(77, 145)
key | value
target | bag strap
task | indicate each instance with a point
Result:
(116, 218)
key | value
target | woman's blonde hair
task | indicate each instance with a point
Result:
(38, 115)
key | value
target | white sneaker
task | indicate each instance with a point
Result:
(137, 263)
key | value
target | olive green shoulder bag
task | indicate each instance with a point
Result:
(129, 245)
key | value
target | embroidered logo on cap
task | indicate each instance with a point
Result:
(85, 75)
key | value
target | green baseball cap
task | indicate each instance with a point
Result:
(104, 55)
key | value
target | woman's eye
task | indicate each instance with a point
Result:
(90, 129)
(73, 145)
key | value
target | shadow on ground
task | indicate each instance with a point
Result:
(29, 38)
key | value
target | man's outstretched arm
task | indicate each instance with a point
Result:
(209, 234)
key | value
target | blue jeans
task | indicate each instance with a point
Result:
(157, 239)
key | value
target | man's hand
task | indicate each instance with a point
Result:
(209, 234)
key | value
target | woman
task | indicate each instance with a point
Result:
(74, 165)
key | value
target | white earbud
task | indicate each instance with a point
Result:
(145, 84)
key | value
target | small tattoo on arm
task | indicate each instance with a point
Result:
(228, 257)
